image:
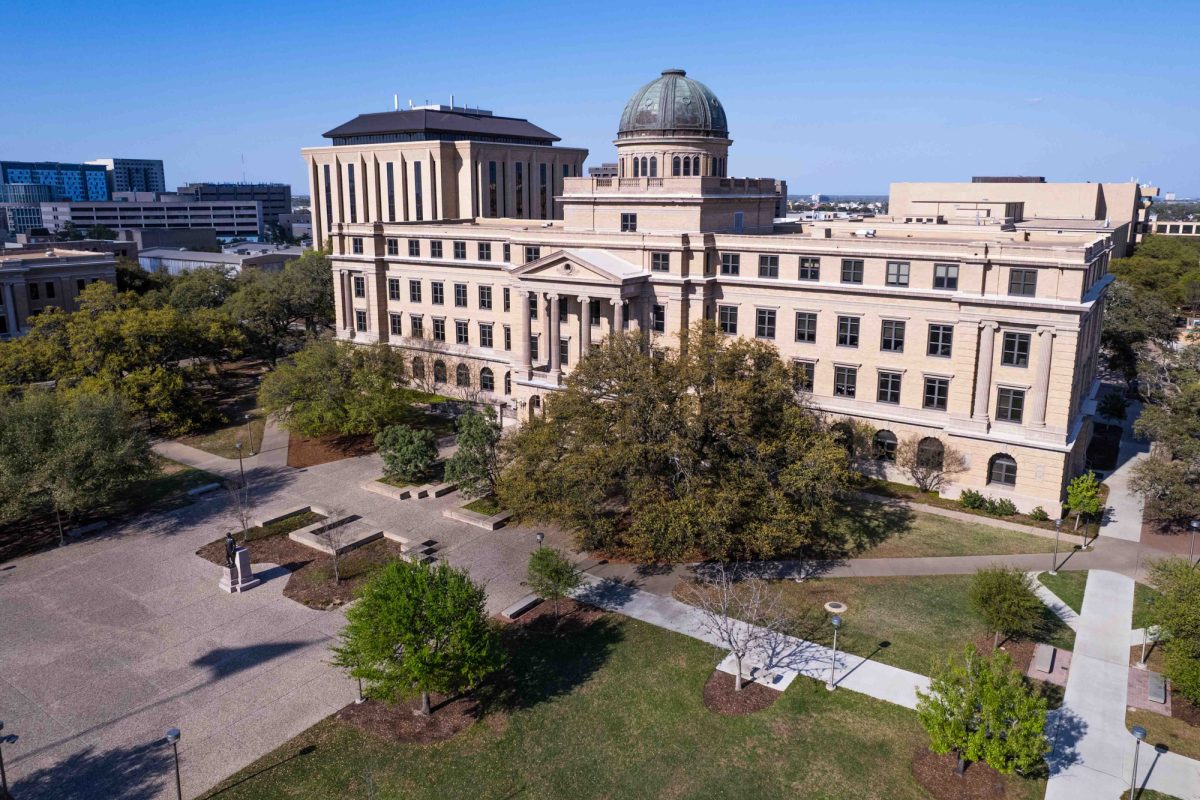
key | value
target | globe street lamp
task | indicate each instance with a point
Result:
(1054, 558)
(173, 740)
(1139, 733)
(540, 537)
(837, 623)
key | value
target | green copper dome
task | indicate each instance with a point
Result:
(674, 104)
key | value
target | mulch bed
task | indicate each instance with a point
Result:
(936, 774)
(1021, 652)
(304, 452)
(1166, 536)
(573, 617)
(1184, 709)
(721, 697)
(396, 722)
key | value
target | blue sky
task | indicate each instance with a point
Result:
(833, 97)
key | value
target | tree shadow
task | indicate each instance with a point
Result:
(134, 772)
(611, 594)
(225, 661)
(303, 751)
(1065, 730)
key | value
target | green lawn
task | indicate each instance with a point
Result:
(171, 482)
(1069, 587)
(924, 619)
(1148, 794)
(484, 505)
(223, 441)
(919, 534)
(616, 712)
(286, 525)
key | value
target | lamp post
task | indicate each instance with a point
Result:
(837, 623)
(241, 469)
(173, 739)
(1195, 526)
(358, 701)
(250, 434)
(3, 777)
(1139, 733)
(540, 537)
(1054, 558)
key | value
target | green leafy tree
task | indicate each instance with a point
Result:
(131, 277)
(1169, 488)
(203, 287)
(1083, 496)
(101, 232)
(981, 709)
(418, 629)
(1133, 318)
(1113, 406)
(408, 453)
(1005, 599)
(474, 467)
(552, 576)
(1164, 266)
(1177, 613)
(671, 454)
(309, 283)
(1170, 479)
(261, 306)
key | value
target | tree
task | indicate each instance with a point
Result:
(336, 535)
(101, 232)
(671, 454)
(203, 287)
(309, 282)
(1134, 317)
(1170, 479)
(408, 453)
(1177, 613)
(474, 467)
(1113, 406)
(261, 306)
(1083, 495)
(1004, 597)
(1168, 487)
(418, 629)
(132, 278)
(551, 575)
(929, 461)
(743, 615)
(984, 710)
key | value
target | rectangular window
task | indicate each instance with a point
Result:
(416, 326)
(848, 331)
(1015, 352)
(937, 391)
(764, 323)
(660, 262)
(803, 374)
(519, 187)
(360, 320)
(460, 295)
(353, 198)
(485, 251)
(727, 319)
(852, 270)
(845, 381)
(562, 309)
(393, 288)
(806, 326)
(897, 273)
(1010, 404)
(507, 338)
(328, 199)
(439, 330)
(945, 276)
(658, 319)
(493, 207)
(810, 269)
(941, 340)
(414, 291)
(534, 342)
(892, 339)
(507, 299)
(393, 247)
(460, 251)
(435, 248)
(532, 253)
(533, 306)
(628, 223)
(889, 388)
(49, 290)
(438, 290)
(485, 334)
(360, 286)
(594, 312)
(391, 192)
(543, 192)
(461, 332)
(396, 324)
(564, 351)
(356, 245)
(731, 263)
(414, 248)
(418, 194)
(507, 253)
(768, 266)
(485, 298)
(1022, 282)
(80, 284)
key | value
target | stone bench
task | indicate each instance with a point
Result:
(387, 490)
(494, 522)
(1043, 658)
(356, 534)
(1156, 688)
(521, 606)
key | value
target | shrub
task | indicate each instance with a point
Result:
(408, 453)
(1001, 507)
(1039, 514)
(972, 499)
(1005, 599)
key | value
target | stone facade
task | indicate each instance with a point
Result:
(32, 279)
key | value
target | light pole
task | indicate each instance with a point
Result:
(250, 434)
(1139, 733)
(837, 623)
(3, 777)
(1054, 559)
(1195, 526)
(173, 739)
(241, 469)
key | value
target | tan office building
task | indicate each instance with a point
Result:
(970, 317)
(36, 278)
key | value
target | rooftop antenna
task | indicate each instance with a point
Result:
(451, 102)
(243, 167)
(396, 102)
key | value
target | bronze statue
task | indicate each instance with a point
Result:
(230, 549)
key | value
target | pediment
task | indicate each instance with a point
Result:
(580, 266)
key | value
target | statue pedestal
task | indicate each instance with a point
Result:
(239, 577)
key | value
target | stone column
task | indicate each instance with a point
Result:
(555, 335)
(524, 331)
(585, 325)
(1041, 386)
(546, 309)
(9, 308)
(983, 370)
(618, 324)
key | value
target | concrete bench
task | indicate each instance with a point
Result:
(1043, 658)
(521, 606)
(1156, 688)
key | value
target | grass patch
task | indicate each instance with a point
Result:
(1069, 587)
(1143, 601)
(171, 483)
(283, 526)
(222, 441)
(616, 711)
(927, 535)
(487, 506)
(1148, 794)
(1175, 733)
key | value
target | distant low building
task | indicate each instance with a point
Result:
(120, 249)
(298, 225)
(21, 206)
(229, 218)
(133, 174)
(178, 238)
(275, 198)
(1173, 228)
(176, 262)
(609, 169)
(35, 278)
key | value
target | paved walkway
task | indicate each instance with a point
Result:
(782, 654)
(1093, 750)
(1124, 517)
(1055, 604)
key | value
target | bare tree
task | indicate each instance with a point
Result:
(336, 536)
(240, 508)
(744, 615)
(929, 461)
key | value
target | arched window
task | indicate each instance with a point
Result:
(439, 372)
(1002, 469)
(644, 168)
(687, 167)
(462, 375)
(418, 369)
(487, 381)
(885, 446)
(535, 403)
(508, 383)
(621, 174)
(696, 165)
(676, 167)
(653, 166)
(931, 453)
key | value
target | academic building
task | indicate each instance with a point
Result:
(969, 317)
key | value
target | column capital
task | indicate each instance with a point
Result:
(989, 324)
(583, 298)
(1050, 329)
(551, 296)
(616, 301)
